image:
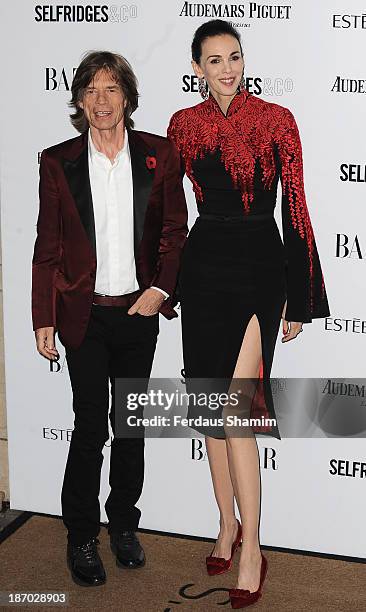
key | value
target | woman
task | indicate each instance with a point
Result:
(237, 276)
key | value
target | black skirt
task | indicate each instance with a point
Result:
(232, 269)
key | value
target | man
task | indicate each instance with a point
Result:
(111, 227)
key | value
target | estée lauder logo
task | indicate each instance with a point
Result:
(349, 21)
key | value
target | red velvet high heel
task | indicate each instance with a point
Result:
(218, 565)
(241, 598)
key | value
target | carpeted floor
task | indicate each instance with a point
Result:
(174, 578)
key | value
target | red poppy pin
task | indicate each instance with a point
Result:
(151, 162)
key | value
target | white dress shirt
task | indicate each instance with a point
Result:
(112, 194)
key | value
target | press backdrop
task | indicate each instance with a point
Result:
(308, 56)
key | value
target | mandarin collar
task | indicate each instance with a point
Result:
(235, 105)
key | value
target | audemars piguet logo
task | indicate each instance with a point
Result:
(348, 389)
(351, 86)
(249, 10)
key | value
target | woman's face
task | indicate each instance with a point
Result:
(221, 64)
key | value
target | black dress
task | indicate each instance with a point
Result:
(235, 264)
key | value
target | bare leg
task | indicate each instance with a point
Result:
(243, 463)
(223, 488)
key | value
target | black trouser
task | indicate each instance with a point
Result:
(116, 345)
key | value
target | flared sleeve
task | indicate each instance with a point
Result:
(306, 294)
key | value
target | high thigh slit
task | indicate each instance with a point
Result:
(235, 263)
(216, 312)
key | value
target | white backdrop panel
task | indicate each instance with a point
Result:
(297, 62)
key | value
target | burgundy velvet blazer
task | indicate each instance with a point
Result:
(64, 260)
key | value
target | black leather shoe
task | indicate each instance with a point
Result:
(128, 550)
(85, 564)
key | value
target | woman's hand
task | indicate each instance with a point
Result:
(291, 329)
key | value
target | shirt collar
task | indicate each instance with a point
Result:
(96, 155)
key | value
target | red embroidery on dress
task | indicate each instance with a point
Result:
(251, 132)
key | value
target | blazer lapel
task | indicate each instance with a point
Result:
(142, 179)
(77, 176)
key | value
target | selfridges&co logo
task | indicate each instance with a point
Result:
(351, 86)
(88, 13)
(344, 467)
(353, 173)
(348, 246)
(348, 326)
(349, 21)
(249, 10)
(268, 456)
(255, 85)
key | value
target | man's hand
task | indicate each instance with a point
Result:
(45, 339)
(148, 303)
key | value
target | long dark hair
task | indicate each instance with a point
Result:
(121, 72)
(214, 27)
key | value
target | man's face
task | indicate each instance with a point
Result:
(103, 102)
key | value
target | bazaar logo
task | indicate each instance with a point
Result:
(57, 366)
(268, 455)
(58, 79)
(348, 246)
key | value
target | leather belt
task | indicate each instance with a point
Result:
(233, 218)
(116, 300)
